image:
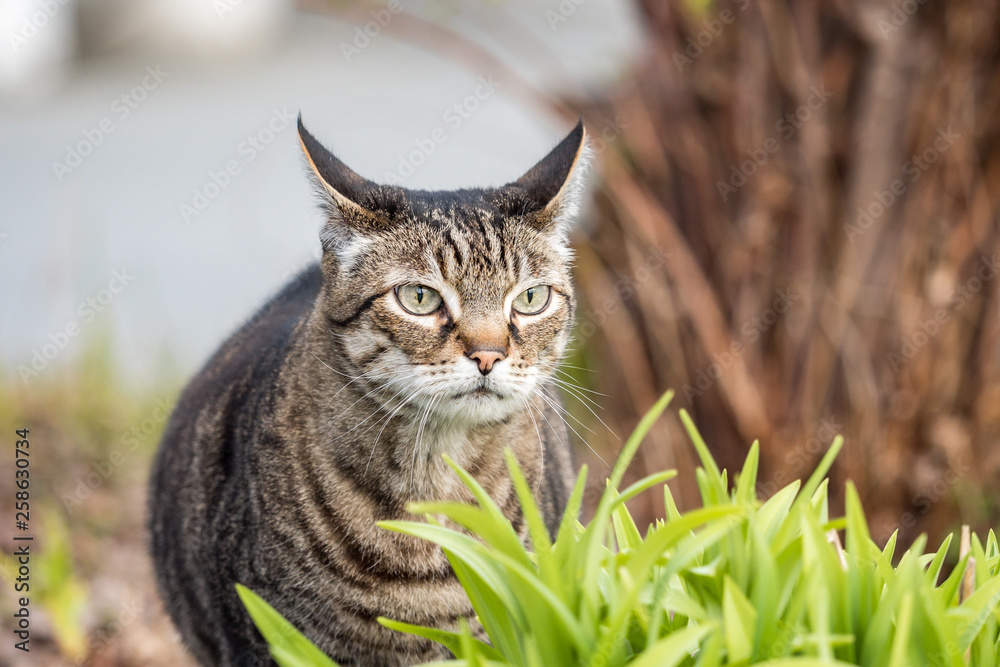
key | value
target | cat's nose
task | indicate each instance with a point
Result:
(486, 357)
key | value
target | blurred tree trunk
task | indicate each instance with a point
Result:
(797, 231)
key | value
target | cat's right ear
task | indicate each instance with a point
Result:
(343, 192)
(553, 188)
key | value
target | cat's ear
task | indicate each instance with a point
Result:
(343, 184)
(343, 192)
(553, 188)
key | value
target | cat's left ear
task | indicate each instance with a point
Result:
(346, 198)
(344, 186)
(554, 186)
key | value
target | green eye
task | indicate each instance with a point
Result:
(418, 299)
(532, 300)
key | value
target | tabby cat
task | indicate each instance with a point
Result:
(432, 324)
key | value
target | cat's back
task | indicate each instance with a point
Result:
(198, 483)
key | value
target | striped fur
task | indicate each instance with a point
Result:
(331, 408)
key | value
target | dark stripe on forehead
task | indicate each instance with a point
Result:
(485, 235)
(536, 261)
(503, 254)
(439, 258)
(459, 257)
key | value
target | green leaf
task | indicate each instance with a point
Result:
(634, 440)
(934, 569)
(625, 531)
(819, 474)
(977, 610)
(590, 544)
(802, 662)
(495, 570)
(859, 541)
(536, 524)
(456, 642)
(643, 484)
(746, 485)
(674, 649)
(763, 590)
(901, 640)
(716, 491)
(571, 515)
(739, 622)
(288, 646)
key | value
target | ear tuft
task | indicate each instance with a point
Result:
(553, 188)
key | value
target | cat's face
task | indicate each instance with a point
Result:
(459, 304)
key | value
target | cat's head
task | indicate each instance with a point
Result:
(458, 302)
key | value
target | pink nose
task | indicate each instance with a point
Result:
(486, 358)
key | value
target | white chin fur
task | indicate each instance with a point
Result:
(475, 410)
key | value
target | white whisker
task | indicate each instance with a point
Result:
(555, 407)
(584, 403)
(541, 447)
(385, 422)
(578, 386)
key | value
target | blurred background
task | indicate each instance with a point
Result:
(793, 224)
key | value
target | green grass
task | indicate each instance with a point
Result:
(735, 582)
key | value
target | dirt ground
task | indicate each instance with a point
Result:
(92, 595)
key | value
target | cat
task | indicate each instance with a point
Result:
(433, 324)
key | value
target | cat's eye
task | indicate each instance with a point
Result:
(532, 300)
(418, 299)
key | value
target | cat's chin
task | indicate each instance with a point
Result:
(479, 407)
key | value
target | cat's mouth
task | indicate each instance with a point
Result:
(479, 392)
